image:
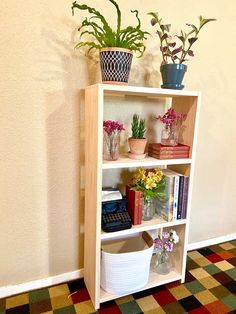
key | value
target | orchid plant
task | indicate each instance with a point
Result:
(168, 46)
(171, 117)
(167, 241)
(150, 181)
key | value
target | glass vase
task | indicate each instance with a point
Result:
(111, 146)
(148, 208)
(169, 135)
(162, 264)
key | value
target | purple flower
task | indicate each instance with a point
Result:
(158, 243)
(165, 235)
(168, 246)
(166, 243)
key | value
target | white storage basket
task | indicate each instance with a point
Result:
(125, 263)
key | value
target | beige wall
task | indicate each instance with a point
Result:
(41, 133)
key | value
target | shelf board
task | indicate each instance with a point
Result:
(143, 91)
(155, 223)
(154, 280)
(125, 162)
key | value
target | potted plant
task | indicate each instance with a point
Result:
(115, 46)
(137, 142)
(174, 55)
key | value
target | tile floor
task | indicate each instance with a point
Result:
(210, 287)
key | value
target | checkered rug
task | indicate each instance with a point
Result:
(210, 287)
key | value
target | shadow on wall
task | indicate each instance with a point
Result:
(62, 82)
(145, 71)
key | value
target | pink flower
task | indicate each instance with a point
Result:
(171, 117)
(111, 126)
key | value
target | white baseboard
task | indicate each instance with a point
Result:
(205, 243)
(41, 283)
(55, 280)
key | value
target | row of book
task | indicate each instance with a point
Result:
(174, 206)
(170, 208)
(159, 151)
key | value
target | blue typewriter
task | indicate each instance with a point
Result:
(114, 211)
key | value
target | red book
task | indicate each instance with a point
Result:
(161, 148)
(134, 199)
(168, 155)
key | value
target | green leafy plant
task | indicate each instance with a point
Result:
(168, 46)
(97, 26)
(138, 127)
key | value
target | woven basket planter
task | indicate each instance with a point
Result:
(115, 65)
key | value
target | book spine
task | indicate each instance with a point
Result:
(169, 148)
(176, 196)
(133, 203)
(168, 156)
(163, 151)
(152, 151)
(185, 198)
(167, 207)
(181, 185)
(140, 207)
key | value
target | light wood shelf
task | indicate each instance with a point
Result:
(97, 100)
(155, 223)
(125, 162)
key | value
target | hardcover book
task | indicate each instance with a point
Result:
(153, 154)
(134, 200)
(166, 206)
(160, 147)
(185, 198)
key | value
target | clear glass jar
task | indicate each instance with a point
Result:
(111, 146)
(148, 208)
(169, 135)
(162, 264)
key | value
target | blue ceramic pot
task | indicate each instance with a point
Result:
(172, 75)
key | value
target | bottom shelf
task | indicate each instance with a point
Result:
(154, 280)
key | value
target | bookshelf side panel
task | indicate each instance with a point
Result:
(93, 178)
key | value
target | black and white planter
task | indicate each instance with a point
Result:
(115, 65)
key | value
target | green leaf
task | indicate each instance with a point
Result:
(204, 21)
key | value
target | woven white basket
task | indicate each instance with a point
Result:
(125, 263)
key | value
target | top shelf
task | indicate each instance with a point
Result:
(142, 91)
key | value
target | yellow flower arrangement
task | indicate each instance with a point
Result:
(150, 181)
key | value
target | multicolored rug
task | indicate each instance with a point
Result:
(210, 287)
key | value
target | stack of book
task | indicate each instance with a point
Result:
(174, 205)
(134, 204)
(160, 151)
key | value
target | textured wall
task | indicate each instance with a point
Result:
(41, 133)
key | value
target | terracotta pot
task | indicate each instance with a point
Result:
(137, 145)
(115, 65)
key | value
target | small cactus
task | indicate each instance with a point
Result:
(138, 127)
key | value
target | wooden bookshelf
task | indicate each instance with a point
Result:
(96, 104)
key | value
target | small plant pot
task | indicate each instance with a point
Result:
(172, 75)
(115, 65)
(137, 148)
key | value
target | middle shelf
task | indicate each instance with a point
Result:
(155, 223)
(125, 162)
